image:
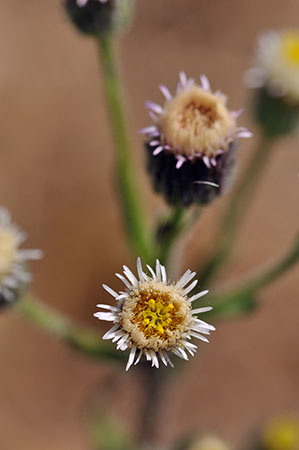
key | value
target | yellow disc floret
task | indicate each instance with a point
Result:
(290, 47)
(156, 316)
(8, 251)
(196, 121)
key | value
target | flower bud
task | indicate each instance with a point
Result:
(96, 17)
(191, 146)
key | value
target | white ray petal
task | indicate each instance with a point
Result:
(110, 317)
(205, 84)
(190, 287)
(124, 280)
(140, 270)
(129, 274)
(199, 295)
(165, 91)
(110, 291)
(110, 333)
(202, 310)
(131, 357)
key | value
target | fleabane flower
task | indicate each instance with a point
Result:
(275, 76)
(13, 272)
(153, 317)
(191, 144)
(96, 17)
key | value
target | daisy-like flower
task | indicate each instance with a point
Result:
(96, 17)
(275, 78)
(209, 443)
(192, 141)
(13, 273)
(153, 317)
(277, 65)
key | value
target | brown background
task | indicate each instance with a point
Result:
(56, 176)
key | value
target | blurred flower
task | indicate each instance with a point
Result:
(13, 273)
(153, 316)
(96, 17)
(281, 434)
(209, 443)
(275, 75)
(191, 144)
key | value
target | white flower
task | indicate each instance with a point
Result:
(209, 443)
(13, 273)
(153, 317)
(277, 64)
(193, 123)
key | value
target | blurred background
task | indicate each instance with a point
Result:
(56, 177)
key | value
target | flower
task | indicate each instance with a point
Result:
(95, 17)
(275, 78)
(13, 273)
(277, 65)
(192, 142)
(209, 443)
(281, 433)
(153, 317)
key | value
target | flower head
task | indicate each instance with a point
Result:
(13, 273)
(281, 433)
(209, 443)
(191, 142)
(275, 78)
(277, 65)
(153, 317)
(96, 17)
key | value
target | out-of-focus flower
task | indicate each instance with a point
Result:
(275, 75)
(191, 144)
(96, 17)
(209, 443)
(281, 434)
(13, 272)
(153, 316)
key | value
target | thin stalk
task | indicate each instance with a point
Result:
(237, 206)
(243, 297)
(133, 213)
(78, 337)
(152, 382)
(168, 231)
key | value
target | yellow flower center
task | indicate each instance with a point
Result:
(196, 121)
(290, 47)
(282, 434)
(8, 251)
(155, 316)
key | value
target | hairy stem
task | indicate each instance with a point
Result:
(133, 213)
(234, 215)
(80, 338)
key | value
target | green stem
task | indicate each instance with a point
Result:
(78, 337)
(168, 230)
(243, 297)
(234, 215)
(135, 220)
